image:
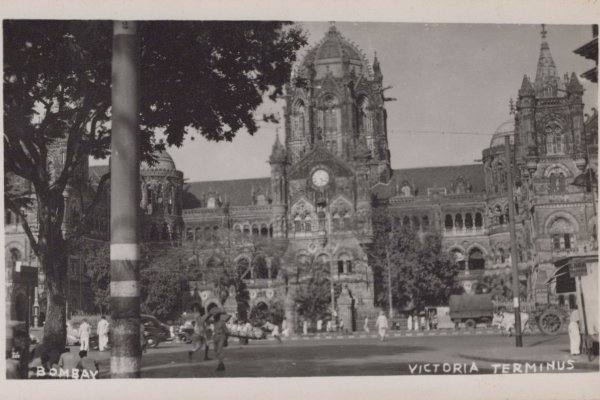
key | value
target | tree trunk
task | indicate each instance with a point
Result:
(52, 255)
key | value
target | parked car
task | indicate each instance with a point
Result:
(155, 331)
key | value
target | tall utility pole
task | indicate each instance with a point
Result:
(124, 202)
(389, 273)
(513, 242)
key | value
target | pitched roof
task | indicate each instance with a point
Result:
(238, 192)
(421, 179)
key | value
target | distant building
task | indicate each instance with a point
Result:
(334, 166)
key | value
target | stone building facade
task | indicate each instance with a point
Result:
(334, 166)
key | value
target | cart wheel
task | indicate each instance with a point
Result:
(470, 323)
(550, 322)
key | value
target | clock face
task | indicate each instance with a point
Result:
(320, 178)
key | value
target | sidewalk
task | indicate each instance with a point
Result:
(547, 351)
(394, 334)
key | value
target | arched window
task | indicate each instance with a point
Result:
(557, 182)
(298, 223)
(255, 230)
(406, 222)
(346, 222)
(264, 230)
(469, 221)
(344, 264)
(416, 223)
(198, 234)
(563, 235)
(458, 221)
(336, 222)
(425, 222)
(448, 222)
(189, 235)
(506, 215)
(478, 220)
(307, 224)
(299, 120)
(330, 115)
(555, 138)
(476, 259)
(365, 117)
(260, 270)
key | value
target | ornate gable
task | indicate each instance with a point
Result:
(320, 155)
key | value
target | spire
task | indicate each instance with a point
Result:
(546, 76)
(526, 88)
(277, 152)
(574, 85)
(376, 67)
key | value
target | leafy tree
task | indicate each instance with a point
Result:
(313, 293)
(204, 78)
(96, 256)
(421, 272)
(164, 276)
(500, 286)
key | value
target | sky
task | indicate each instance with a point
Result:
(444, 77)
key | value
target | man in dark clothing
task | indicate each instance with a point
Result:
(220, 336)
(200, 336)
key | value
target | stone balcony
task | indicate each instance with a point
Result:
(454, 232)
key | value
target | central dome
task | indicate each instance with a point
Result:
(163, 161)
(333, 51)
(334, 45)
(505, 129)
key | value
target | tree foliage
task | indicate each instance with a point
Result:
(421, 272)
(313, 293)
(204, 78)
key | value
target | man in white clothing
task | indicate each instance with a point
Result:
(84, 335)
(382, 325)
(102, 333)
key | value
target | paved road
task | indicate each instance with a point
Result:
(477, 354)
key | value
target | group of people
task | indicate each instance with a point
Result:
(48, 364)
(85, 330)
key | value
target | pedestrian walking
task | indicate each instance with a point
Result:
(366, 325)
(319, 325)
(220, 333)
(102, 330)
(285, 329)
(409, 323)
(342, 325)
(305, 327)
(382, 325)
(84, 335)
(200, 336)
(274, 330)
(574, 333)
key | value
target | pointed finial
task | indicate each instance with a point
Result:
(511, 106)
(332, 26)
(544, 32)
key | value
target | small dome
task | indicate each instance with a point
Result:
(163, 161)
(505, 129)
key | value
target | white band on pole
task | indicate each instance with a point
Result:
(124, 251)
(515, 302)
(124, 289)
